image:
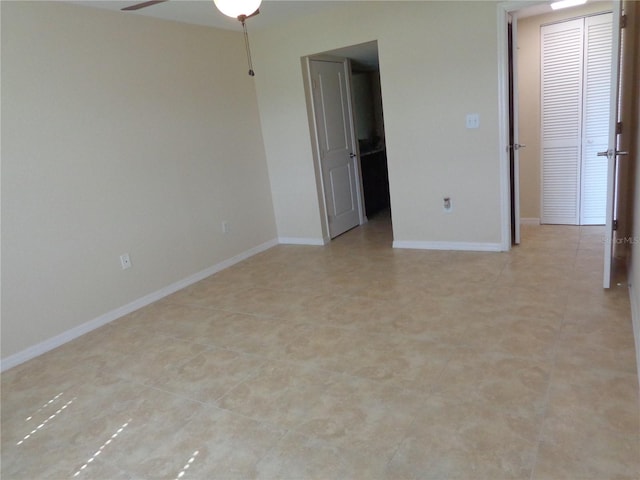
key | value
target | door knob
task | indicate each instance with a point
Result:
(610, 153)
(518, 146)
(352, 155)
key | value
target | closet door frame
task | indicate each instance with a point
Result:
(567, 169)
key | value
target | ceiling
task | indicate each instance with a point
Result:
(544, 7)
(204, 12)
(272, 12)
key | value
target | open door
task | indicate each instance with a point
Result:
(613, 153)
(514, 145)
(336, 144)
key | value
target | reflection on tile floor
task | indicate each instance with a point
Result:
(353, 360)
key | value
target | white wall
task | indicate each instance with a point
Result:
(363, 105)
(119, 134)
(438, 62)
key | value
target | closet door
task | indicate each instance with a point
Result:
(562, 47)
(575, 84)
(595, 123)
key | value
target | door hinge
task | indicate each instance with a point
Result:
(615, 225)
(618, 128)
(623, 21)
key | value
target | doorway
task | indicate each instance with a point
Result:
(561, 180)
(367, 119)
(612, 194)
(371, 140)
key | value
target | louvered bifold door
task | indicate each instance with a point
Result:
(561, 105)
(595, 123)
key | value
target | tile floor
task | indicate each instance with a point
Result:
(351, 361)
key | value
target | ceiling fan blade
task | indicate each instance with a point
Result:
(254, 13)
(138, 6)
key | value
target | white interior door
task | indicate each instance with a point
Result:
(337, 152)
(595, 119)
(612, 153)
(514, 135)
(561, 88)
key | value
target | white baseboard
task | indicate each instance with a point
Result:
(464, 246)
(635, 319)
(302, 241)
(529, 221)
(61, 339)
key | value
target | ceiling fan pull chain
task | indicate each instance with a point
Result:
(248, 48)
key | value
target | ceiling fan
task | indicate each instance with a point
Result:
(240, 9)
(138, 6)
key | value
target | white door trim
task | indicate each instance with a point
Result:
(612, 193)
(504, 9)
(516, 130)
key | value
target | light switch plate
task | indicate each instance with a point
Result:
(473, 120)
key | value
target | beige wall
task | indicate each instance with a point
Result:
(529, 101)
(119, 134)
(363, 105)
(438, 62)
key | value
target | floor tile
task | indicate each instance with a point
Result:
(213, 444)
(363, 416)
(209, 375)
(301, 457)
(279, 394)
(463, 441)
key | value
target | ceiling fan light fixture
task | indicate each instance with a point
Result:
(237, 8)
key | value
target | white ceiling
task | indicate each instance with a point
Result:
(272, 12)
(204, 12)
(544, 7)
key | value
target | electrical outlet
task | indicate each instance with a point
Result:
(125, 261)
(226, 228)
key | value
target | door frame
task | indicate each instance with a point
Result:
(614, 110)
(514, 128)
(313, 127)
(505, 10)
